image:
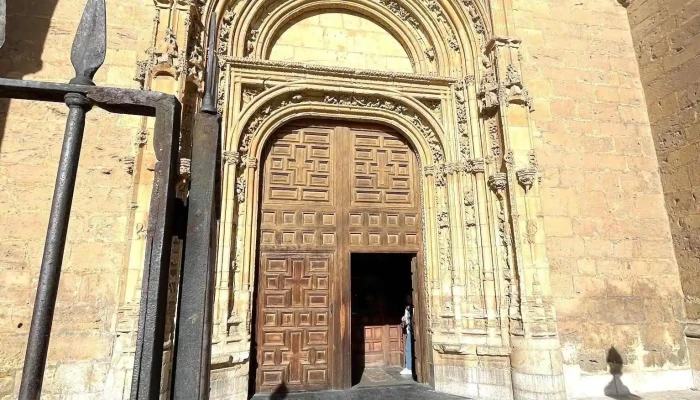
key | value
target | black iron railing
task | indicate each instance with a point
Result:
(193, 338)
(80, 95)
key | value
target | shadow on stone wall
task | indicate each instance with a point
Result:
(28, 24)
(616, 389)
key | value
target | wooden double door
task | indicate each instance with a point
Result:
(327, 191)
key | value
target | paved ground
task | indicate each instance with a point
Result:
(376, 384)
(388, 384)
(413, 391)
(684, 395)
(387, 376)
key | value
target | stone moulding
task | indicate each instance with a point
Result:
(456, 349)
(304, 68)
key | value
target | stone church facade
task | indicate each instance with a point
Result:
(542, 173)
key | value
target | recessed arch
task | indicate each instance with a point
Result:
(372, 11)
(453, 33)
(286, 102)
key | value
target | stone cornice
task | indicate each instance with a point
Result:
(298, 67)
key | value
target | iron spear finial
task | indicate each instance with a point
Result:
(3, 19)
(90, 44)
(210, 86)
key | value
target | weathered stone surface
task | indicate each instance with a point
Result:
(39, 35)
(668, 52)
(602, 229)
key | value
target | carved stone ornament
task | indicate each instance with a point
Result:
(241, 186)
(526, 177)
(498, 182)
(129, 164)
(305, 68)
(141, 138)
(348, 100)
(400, 12)
(446, 348)
(231, 157)
(488, 89)
(168, 51)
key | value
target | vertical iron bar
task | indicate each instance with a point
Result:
(192, 359)
(193, 337)
(47, 290)
(148, 360)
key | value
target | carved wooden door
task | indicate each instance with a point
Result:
(326, 191)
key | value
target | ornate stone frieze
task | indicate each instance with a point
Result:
(435, 106)
(531, 231)
(478, 22)
(400, 12)
(351, 101)
(469, 210)
(495, 135)
(306, 68)
(225, 28)
(509, 159)
(250, 42)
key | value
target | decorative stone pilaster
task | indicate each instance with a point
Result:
(530, 310)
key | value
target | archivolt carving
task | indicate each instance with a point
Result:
(341, 99)
(428, 26)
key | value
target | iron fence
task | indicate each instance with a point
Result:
(192, 354)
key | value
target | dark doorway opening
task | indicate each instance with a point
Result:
(382, 287)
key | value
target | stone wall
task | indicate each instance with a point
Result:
(665, 35)
(341, 40)
(614, 274)
(82, 346)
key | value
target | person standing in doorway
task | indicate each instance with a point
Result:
(407, 322)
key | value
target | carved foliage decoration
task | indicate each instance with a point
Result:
(478, 22)
(499, 184)
(344, 100)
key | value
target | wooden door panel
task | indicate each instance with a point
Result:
(298, 169)
(327, 191)
(394, 338)
(374, 346)
(293, 333)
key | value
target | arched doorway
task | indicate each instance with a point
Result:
(339, 202)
